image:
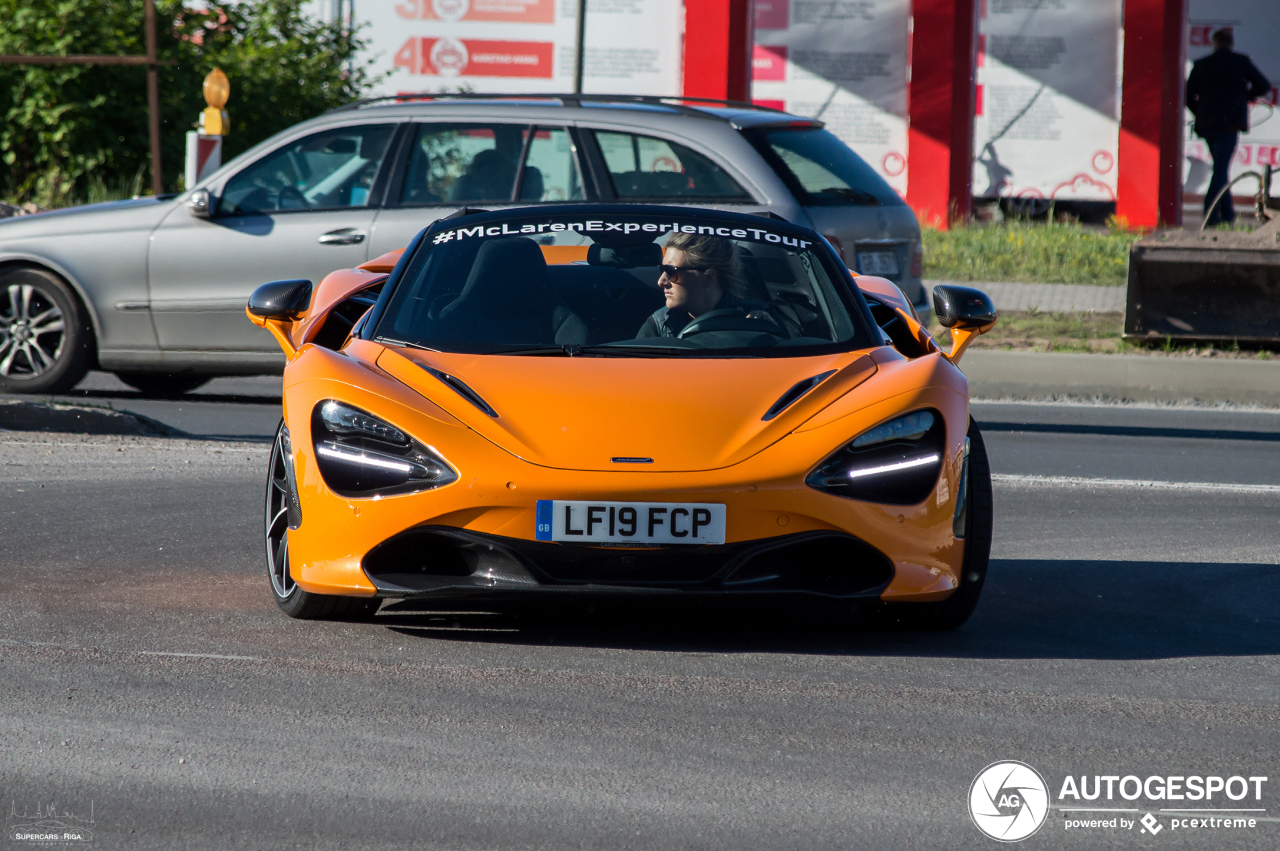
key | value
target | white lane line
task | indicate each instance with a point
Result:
(12, 643)
(199, 656)
(1137, 484)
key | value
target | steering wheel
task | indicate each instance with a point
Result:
(293, 192)
(730, 319)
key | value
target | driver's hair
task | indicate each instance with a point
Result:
(712, 252)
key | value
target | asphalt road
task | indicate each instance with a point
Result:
(1127, 628)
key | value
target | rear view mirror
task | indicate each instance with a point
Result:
(962, 307)
(625, 257)
(966, 311)
(200, 204)
(280, 299)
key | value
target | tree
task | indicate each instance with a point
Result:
(65, 126)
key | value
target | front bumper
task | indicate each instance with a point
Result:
(434, 559)
(493, 504)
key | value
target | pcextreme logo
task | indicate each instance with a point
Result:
(1009, 801)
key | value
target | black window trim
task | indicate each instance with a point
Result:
(377, 189)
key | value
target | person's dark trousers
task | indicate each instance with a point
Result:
(1222, 147)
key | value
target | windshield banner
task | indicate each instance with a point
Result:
(600, 226)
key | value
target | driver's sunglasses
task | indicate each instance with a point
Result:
(674, 273)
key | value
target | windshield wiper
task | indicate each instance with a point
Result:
(655, 351)
(554, 351)
(408, 345)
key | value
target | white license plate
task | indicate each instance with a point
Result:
(877, 263)
(636, 523)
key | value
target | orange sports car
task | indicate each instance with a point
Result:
(621, 399)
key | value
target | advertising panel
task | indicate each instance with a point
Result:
(633, 46)
(1255, 24)
(1047, 106)
(844, 63)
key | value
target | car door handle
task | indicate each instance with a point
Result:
(342, 236)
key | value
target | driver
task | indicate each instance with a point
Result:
(699, 274)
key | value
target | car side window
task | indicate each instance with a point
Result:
(649, 168)
(551, 167)
(463, 164)
(324, 171)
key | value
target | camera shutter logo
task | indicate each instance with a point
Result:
(1009, 801)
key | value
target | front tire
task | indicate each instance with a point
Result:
(46, 342)
(979, 522)
(291, 599)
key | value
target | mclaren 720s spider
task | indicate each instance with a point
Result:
(617, 400)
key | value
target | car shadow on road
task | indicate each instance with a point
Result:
(1030, 609)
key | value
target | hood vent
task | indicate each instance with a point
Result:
(786, 400)
(457, 386)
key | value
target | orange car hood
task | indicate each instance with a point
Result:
(579, 413)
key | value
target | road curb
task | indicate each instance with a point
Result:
(1140, 378)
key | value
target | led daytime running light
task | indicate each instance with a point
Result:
(353, 458)
(891, 468)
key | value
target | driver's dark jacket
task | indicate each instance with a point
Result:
(664, 323)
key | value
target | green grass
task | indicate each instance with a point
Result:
(1030, 253)
(1098, 333)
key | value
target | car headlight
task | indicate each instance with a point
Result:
(360, 455)
(895, 463)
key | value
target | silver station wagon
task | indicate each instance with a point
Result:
(154, 289)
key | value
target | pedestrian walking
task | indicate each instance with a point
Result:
(1219, 90)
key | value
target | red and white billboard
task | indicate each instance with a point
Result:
(1047, 112)
(507, 11)
(843, 63)
(632, 46)
(456, 57)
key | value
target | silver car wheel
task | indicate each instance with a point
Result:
(277, 520)
(32, 332)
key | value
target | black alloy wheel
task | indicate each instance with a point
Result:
(46, 342)
(979, 522)
(291, 599)
(164, 384)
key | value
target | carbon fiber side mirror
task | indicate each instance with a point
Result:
(280, 299)
(962, 307)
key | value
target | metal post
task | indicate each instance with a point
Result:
(153, 99)
(580, 48)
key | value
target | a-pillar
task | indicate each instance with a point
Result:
(1151, 108)
(940, 110)
(717, 49)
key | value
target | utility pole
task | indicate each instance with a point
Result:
(580, 49)
(153, 99)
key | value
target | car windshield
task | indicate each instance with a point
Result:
(622, 284)
(822, 170)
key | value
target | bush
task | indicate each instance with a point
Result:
(76, 132)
